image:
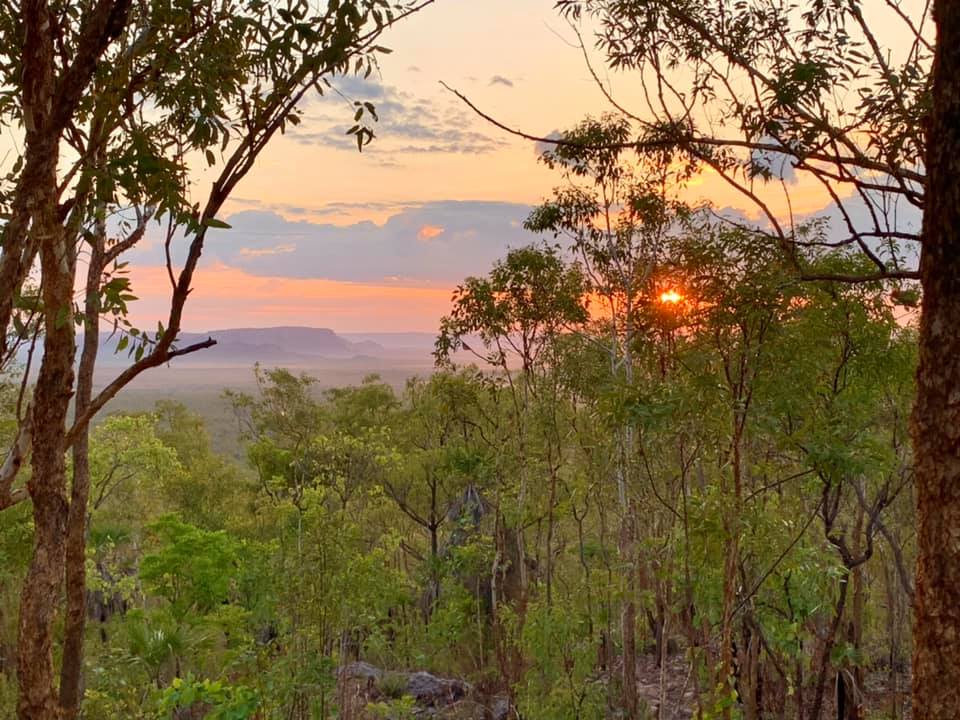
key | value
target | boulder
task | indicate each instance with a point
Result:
(361, 684)
(431, 691)
(360, 671)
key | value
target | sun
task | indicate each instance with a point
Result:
(671, 297)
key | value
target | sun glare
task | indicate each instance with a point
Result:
(671, 297)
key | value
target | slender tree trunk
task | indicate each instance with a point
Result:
(936, 418)
(732, 554)
(828, 642)
(582, 555)
(750, 673)
(798, 682)
(628, 539)
(726, 679)
(628, 616)
(857, 610)
(551, 521)
(662, 663)
(71, 670)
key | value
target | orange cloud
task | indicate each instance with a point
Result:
(429, 232)
(225, 296)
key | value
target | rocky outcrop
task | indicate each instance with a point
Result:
(365, 692)
(431, 691)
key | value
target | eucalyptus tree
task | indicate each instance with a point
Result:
(796, 387)
(115, 102)
(211, 489)
(510, 320)
(443, 460)
(617, 220)
(845, 417)
(741, 293)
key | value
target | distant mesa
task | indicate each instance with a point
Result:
(287, 346)
(270, 346)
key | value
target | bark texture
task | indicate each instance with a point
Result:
(71, 670)
(936, 420)
(47, 484)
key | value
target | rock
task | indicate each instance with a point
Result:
(432, 691)
(359, 684)
(360, 671)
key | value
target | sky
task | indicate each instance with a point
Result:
(324, 236)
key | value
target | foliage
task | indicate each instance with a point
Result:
(222, 702)
(194, 569)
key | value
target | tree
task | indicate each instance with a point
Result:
(114, 101)
(440, 463)
(758, 100)
(528, 299)
(936, 416)
(194, 569)
(847, 416)
(127, 461)
(210, 489)
(617, 220)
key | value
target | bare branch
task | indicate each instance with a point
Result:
(14, 461)
(158, 357)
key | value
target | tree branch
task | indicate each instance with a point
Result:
(154, 359)
(14, 461)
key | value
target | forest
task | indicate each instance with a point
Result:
(673, 461)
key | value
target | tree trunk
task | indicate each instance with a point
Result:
(628, 616)
(749, 676)
(828, 642)
(731, 557)
(726, 680)
(855, 707)
(47, 485)
(71, 670)
(798, 684)
(936, 418)
(551, 521)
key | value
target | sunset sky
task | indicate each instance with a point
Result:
(327, 237)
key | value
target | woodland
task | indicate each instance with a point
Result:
(672, 463)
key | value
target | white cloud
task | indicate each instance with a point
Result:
(264, 252)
